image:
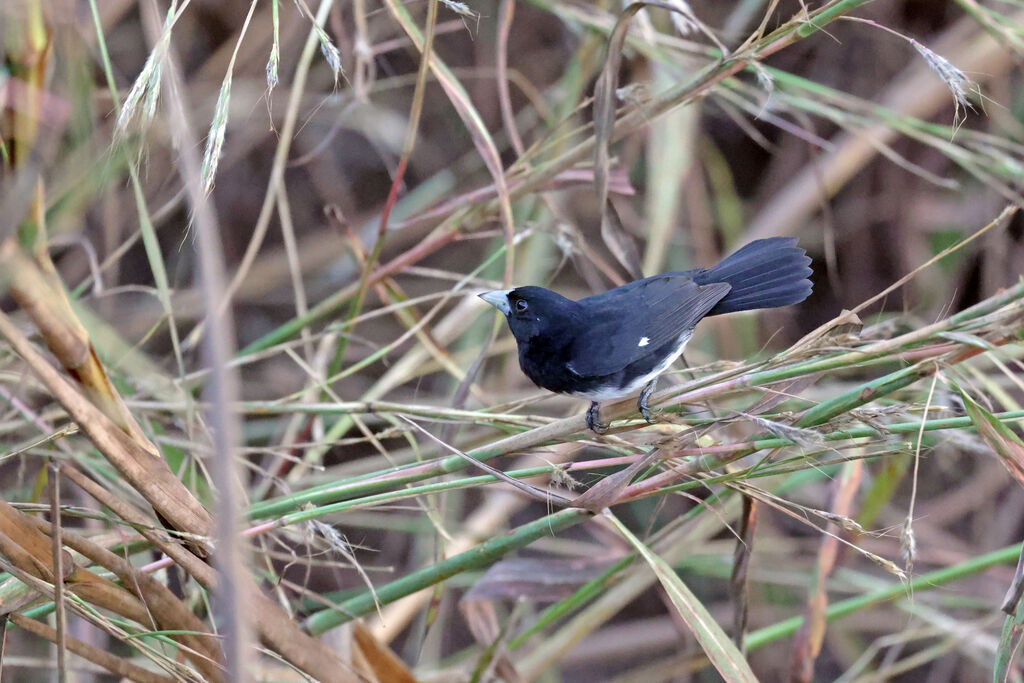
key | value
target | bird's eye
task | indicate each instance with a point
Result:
(521, 306)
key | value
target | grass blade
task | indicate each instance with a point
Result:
(719, 648)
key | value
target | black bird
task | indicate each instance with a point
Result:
(614, 344)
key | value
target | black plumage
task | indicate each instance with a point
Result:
(617, 343)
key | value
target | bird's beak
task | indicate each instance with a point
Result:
(497, 298)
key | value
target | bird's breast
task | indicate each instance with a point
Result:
(547, 365)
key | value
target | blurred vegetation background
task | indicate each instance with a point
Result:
(241, 248)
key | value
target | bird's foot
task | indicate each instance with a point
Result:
(641, 403)
(594, 419)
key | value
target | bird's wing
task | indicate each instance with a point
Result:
(628, 323)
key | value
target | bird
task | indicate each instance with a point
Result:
(612, 345)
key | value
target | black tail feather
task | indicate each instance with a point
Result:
(766, 273)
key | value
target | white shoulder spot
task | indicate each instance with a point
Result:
(644, 341)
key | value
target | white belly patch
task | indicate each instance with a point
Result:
(607, 393)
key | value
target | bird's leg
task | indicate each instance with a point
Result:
(594, 419)
(642, 401)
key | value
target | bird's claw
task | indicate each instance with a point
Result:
(641, 403)
(594, 419)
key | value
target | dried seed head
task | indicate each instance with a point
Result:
(459, 8)
(908, 545)
(956, 80)
(272, 64)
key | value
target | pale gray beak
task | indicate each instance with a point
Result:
(497, 298)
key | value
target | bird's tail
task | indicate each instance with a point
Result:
(766, 273)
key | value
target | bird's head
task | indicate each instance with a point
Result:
(533, 311)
